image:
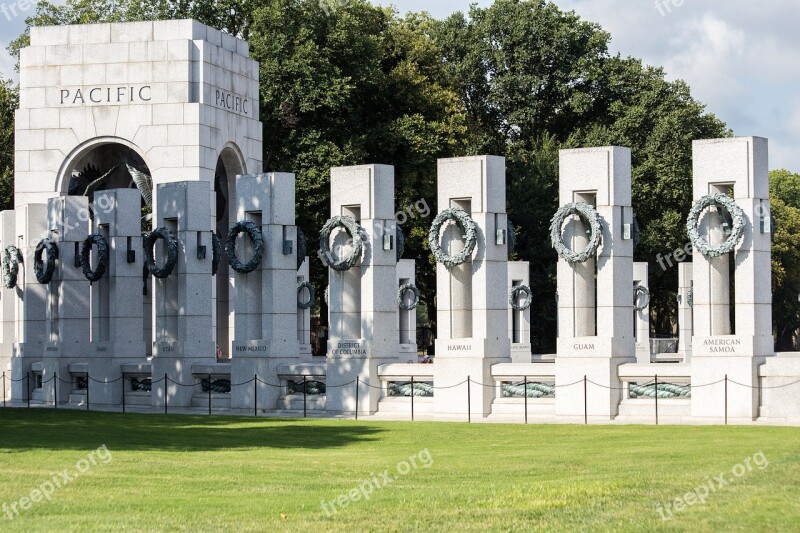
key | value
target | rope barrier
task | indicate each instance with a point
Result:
(478, 383)
(105, 382)
(31, 380)
(243, 383)
(762, 386)
(268, 384)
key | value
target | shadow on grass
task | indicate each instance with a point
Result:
(31, 429)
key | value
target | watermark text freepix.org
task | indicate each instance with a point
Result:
(710, 486)
(47, 488)
(15, 9)
(421, 459)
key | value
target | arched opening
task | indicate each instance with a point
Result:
(104, 164)
(230, 163)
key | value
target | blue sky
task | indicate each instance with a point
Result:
(741, 58)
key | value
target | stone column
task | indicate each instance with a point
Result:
(30, 299)
(472, 311)
(183, 332)
(740, 164)
(642, 318)
(265, 300)
(685, 319)
(363, 300)
(7, 302)
(67, 294)
(602, 174)
(304, 316)
(407, 320)
(519, 322)
(118, 336)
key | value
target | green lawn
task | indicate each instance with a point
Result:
(197, 473)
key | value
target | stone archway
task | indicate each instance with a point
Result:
(104, 164)
(230, 163)
(94, 159)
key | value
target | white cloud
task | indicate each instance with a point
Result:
(739, 57)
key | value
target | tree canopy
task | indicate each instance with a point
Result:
(345, 82)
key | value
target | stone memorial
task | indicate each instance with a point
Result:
(641, 310)
(731, 215)
(519, 311)
(261, 248)
(595, 304)
(685, 319)
(470, 233)
(181, 265)
(10, 257)
(358, 245)
(306, 296)
(118, 327)
(30, 300)
(407, 301)
(68, 306)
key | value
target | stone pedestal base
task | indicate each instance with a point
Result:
(175, 360)
(597, 358)
(5, 369)
(780, 397)
(105, 387)
(708, 401)
(262, 359)
(348, 360)
(450, 371)
(23, 356)
(603, 387)
(734, 355)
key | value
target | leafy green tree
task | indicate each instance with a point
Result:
(9, 97)
(349, 86)
(785, 202)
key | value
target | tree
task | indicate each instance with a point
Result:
(351, 86)
(785, 203)
(9, 98)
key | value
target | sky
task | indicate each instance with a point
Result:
(741, 58)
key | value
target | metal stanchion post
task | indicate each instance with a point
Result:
(255, 395)
(585, 402)
(526, 399)
(166, 393)
(209, 394)
(358, 382)
(412, 398)
(87, 391)
(469, 400)
(656, 386)
(55, 390)
(726, 399)
(305, 409)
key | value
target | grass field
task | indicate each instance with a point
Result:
(195, 473)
